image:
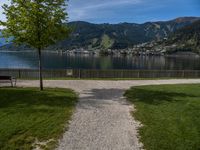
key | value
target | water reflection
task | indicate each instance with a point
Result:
(63, 61)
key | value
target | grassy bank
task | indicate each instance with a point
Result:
(28, 116)
(170, 115)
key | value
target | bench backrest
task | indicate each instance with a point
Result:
(5, 77)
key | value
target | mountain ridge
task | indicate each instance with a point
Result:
(123, 35)
(116, 36)
(179, 19)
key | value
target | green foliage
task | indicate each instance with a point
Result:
(27, 114)
(37, 23)
(169, 114)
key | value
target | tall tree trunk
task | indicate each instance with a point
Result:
(40, 69)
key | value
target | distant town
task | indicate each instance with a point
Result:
(153, 48)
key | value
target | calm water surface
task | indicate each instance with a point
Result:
(64, 61)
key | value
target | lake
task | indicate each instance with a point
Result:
(64, 61)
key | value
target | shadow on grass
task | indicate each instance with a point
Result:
(154, 97)
(14, 97)
(27, 114)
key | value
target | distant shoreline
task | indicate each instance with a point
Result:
(58, 52)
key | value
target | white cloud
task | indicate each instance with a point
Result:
(88, 9)
(78, 10)
(113, 3)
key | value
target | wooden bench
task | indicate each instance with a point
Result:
(12, 80)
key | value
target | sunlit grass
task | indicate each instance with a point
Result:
(170, 115)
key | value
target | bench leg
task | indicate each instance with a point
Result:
(15, 82)
(11, 83)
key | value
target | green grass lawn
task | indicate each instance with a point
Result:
(170, 115)
(28, 115)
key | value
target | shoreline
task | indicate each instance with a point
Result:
(79, 54)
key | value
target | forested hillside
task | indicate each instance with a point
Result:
(186, 39)
(115, 36)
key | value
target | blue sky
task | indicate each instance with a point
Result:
(139, 11)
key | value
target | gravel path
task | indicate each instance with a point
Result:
(102, 120)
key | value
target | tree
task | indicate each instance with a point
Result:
(37, 23)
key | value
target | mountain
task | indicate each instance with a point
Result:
(4, 41)
(119, 36)
(116, 36)
(186, 38)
